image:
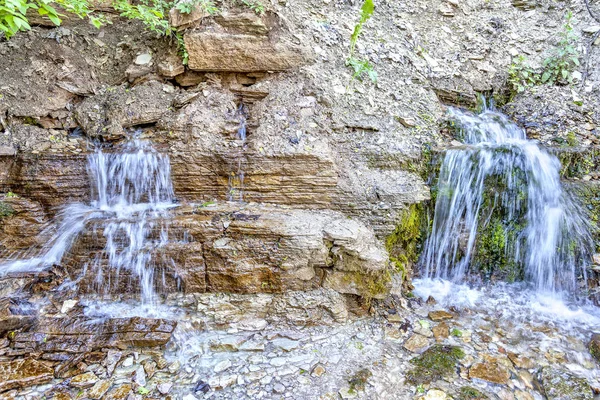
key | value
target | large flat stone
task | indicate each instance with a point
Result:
(216, 51)
(78, 335)
(23, 373)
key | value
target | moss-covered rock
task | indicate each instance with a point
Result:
(359, 380)
(470, 393)
(404, 244)
(561, 385)
(436, 362)
(594, 347)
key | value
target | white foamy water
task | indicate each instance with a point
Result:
(512, 302)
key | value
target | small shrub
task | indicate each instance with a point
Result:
(521, 75)
(6, 210)
(559, 67)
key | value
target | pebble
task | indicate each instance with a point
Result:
(143, 59)
(164, 388)
(222, 366)
(128, 362)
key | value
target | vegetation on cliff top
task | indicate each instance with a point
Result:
(15, 14)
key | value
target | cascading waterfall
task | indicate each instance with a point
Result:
(542, 231)
(132, 191)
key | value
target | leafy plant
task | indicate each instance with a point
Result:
(254, 5)
(366, 11)
(559, 67)
(521, 75)
(186, 7)
(13, 19)
(5, 210)
(361, 66)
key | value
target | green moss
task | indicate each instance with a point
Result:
(403, 245)
(359, 380)
(497, 233)
(470, 393)
(6, 210)
(371, 285)
(577, 162)
(436, 362)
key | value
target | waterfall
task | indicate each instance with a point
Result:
(131, 192)
(500, 203)
(134, 189)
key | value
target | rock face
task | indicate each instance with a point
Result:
(252, 249)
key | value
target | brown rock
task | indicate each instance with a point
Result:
(521, 361)
(248, 23)
(491, 372)
(23, 373)
(15, 315)
(84, 380)
(215, 51)
(171, 66)
(416, 343)
(190, 78)
(119, 392)
(99, 389)
(441, 331)
(440, 315)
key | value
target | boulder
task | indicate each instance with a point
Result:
(108, 113)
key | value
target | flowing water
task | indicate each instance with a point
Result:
(235, 189)
(506, 187)
(499, 175)
(132, 193)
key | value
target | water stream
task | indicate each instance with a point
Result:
(235, 187)
(132, 192)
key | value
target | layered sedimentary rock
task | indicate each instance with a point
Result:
(243, 249)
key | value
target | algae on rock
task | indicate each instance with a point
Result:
(435, 363)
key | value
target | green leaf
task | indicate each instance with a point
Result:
(545, 76)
